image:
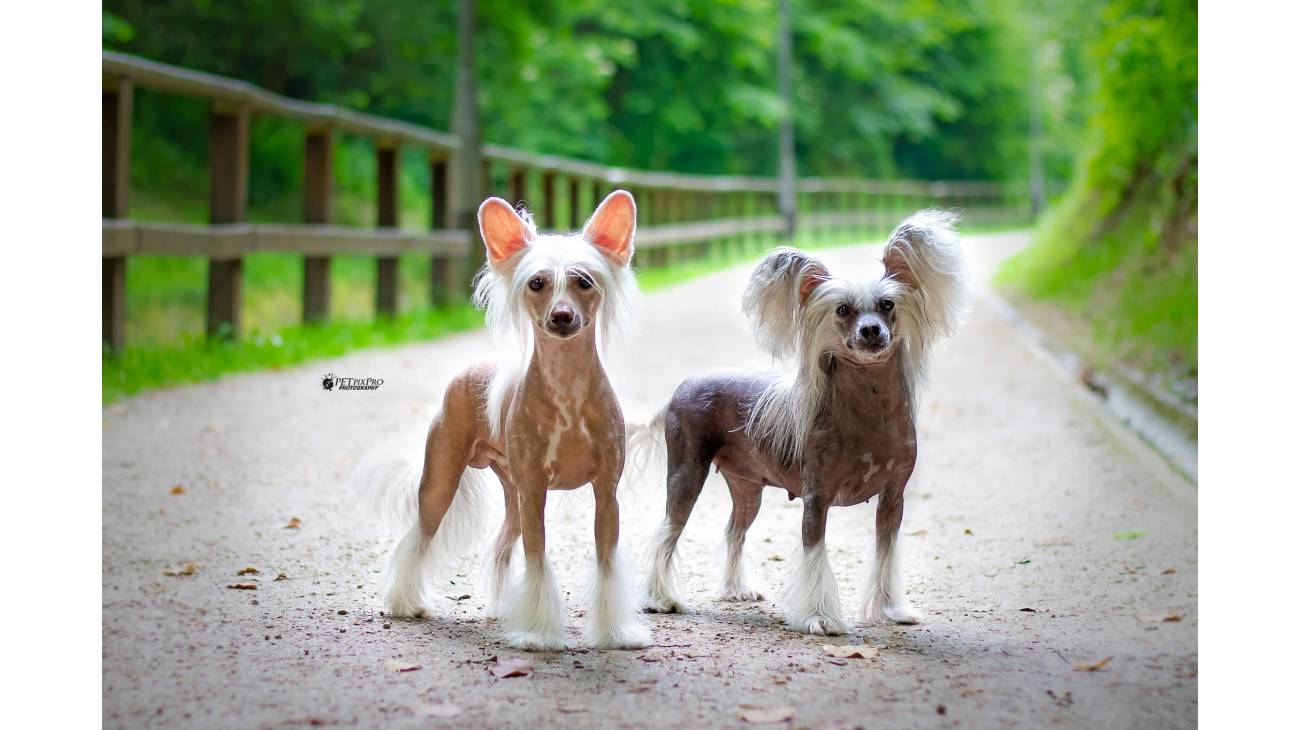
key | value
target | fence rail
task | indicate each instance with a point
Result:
(680, 215)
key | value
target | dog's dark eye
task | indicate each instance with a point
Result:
(885, 305)
(536, 283)
(842, 310)
(585, 282)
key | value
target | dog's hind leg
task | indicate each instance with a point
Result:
(885, 601)
(450, 507)
(503, 548)
(687, 470)
(614, 622)
(813, 598)
(534, 611)
(746, 498)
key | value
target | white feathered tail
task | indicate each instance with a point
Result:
(388, 482)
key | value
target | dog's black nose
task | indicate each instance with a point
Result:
(562, 316)
(870, 331)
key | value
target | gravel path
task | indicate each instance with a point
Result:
(1038, 535)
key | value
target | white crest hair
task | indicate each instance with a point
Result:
(499, 290)
(930, 297)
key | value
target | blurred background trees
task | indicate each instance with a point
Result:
(883, 89)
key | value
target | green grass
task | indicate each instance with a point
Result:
(1130, 288)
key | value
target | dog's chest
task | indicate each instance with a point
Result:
(559, 433)
(865, 444)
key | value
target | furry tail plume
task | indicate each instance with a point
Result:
(645, 446)
(389, 483)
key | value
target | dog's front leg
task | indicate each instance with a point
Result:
(812, 597)
(614, 621)
(534, 613)
(885, 601)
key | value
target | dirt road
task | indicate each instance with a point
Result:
(1038, 535)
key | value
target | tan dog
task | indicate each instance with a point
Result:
(546, 419)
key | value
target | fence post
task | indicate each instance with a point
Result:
(117, 106)
(317, 207)
(575, 208)
(386, 203)
(518, 186)
(442, 275)
(228, 193)
(550, 205)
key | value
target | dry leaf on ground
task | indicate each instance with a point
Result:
(757, 715)
(187, 570)
(294, 523)
(243, 586)
(250, 571)
(1160, 618)
(851, 651)
(1092, 666)
(400, 665)
(512, 668)
(282, 576)
(178, 489)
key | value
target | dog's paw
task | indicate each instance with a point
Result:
(740, 595)
(528, 641)
(663, 605)
(900, 613)
(405, 609)
(819, 624)
(633, 635)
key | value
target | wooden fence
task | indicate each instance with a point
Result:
(680, 216)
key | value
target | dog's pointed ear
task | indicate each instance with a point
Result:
(613, 227)
(778, 289)
(811, 275)
(504, 232)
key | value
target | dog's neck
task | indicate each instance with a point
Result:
(854, 388)
(569, 365)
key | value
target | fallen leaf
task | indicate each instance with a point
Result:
(282, 576)
(758, 715)
(512, 668)
(780, 679)
(851, 651)
(1092, 666)
(967, 531)
(440, 709)
(776, 558)
(1130, 535)
(243, 586)
(294, 523)
(1029, 610)
(399, 665)
(178, 489)
(1023, 562)
(1168, 571)
(250, 571)
(1161, 618)
(187, 570)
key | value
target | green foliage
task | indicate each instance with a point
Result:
(1120, 251)
(908, 88)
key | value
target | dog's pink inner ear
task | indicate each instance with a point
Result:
(896, 266)
(504, 232)
(613, 226)
(813, 277)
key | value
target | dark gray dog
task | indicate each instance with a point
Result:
(836, 430)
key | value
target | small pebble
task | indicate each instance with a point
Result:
(388, 626)
(343, 612)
